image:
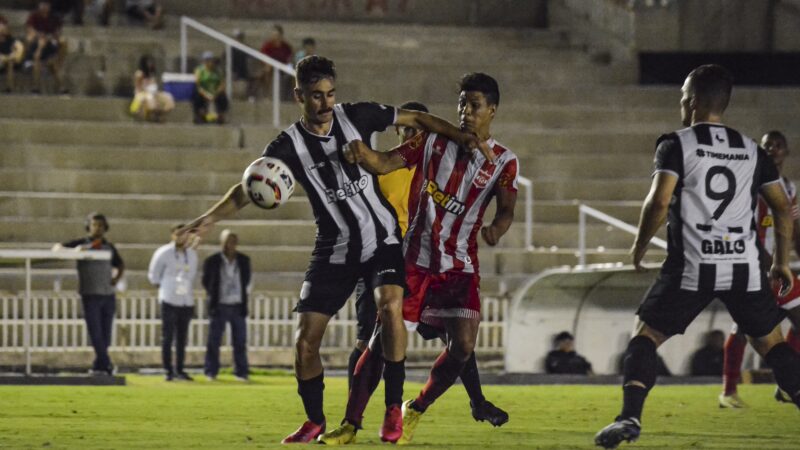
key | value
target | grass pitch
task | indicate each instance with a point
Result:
(225, 414)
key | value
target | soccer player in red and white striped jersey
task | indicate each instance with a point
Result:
(774, 142)
(449, 193)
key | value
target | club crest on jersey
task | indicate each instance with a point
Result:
(767, 222)
(442, 199)
(482, 177)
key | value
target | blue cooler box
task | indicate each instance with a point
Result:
(180, 85)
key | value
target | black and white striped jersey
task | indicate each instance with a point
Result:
(353, 218)
(711, 226)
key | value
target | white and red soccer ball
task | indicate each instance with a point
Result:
(268, 182)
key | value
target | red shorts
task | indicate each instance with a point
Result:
(790, 300)
(433, 297)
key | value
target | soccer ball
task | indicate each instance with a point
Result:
(268, 182)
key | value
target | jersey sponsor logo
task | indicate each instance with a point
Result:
(724, 156)
(350, 189)
(722, 247)
(444, 200)
(316, 166)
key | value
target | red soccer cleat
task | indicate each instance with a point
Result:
(392, 427)
(308, 432)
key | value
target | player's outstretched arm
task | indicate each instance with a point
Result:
(775, 196)
(435, 124)
(654, 213)
(503, 218)
(234, 200)
(378, 163)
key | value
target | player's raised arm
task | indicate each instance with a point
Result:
(775, 196)
(234, 200)
(435, 124)
(378, 163)
(654, 213)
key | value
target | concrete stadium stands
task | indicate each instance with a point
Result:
(582, 132)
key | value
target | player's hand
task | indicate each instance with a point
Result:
(783, 275)
(490, 235)
(471, 142)
(354, 150)
(195, 231)
(637, 255)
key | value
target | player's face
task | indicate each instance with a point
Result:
(97, 228)
(474, 114)
(686, 100)
(180, 241)
(317, 101)
(776, 148)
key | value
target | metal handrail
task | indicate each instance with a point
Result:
(528, 184)
(584, 211)
(231, 43)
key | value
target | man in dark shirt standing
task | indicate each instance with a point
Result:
(226, 278)
(96, 286)
(564, 359)
(708, 359)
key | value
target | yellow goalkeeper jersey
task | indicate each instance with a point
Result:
(395, 187)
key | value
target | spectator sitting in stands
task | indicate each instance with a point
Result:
(708, 360)
(309, 48)
(11, 53)
(209, 90)
(149, 103)
(563, 359)
(45, 45)
(145, 11)
(278, 49)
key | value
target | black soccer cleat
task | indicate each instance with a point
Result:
(621, 430)
(488, 412)
(781, 396)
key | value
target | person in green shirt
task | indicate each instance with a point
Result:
(209, 90)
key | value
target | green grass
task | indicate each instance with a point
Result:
(150, 413)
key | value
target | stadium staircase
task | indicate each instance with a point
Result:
(582, 131)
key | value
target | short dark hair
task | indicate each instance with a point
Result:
(278, 28)
(94, 215)
(414, 106)
(777, 135)
(313, 68)
(309, 41)
(482, 83)
(712, 85)
(563, 336)
(176, 227)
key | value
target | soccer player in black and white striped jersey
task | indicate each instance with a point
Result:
(707, 179)
(357, 231)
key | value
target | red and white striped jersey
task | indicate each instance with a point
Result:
(766, 222)
(449, 194)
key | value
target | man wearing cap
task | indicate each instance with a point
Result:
(209, 90)
(226, 279)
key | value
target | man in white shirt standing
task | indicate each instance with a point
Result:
(172, 270)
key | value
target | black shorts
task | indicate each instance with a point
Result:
(670, 309)
(328, 286)
(201, 103)
(366, 311)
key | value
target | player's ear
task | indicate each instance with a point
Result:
(492, 110)
(298, 95)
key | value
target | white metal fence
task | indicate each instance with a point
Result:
(57, 324)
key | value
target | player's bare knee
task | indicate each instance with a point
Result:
(305, 348)
(461, 350)
(390, 307)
